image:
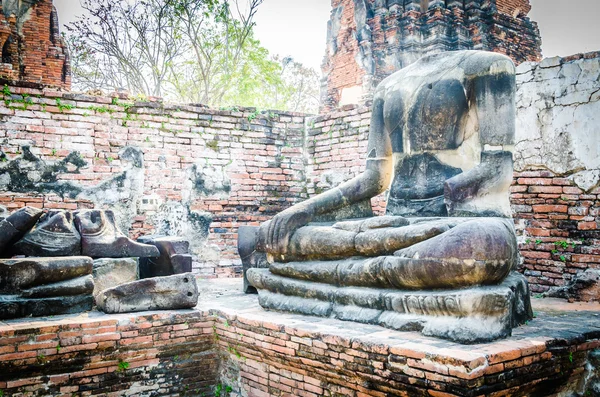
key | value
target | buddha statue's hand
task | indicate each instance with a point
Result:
(282, 227)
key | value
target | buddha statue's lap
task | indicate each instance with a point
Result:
(440, 143)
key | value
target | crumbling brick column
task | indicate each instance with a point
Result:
(33, 52)
(369, 40)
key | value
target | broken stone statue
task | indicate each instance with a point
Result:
(157, 293)
(45, 286)
(442, 259)
(54, 278)
(174, 257)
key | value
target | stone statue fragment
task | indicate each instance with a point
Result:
(45, 286)
(101, 238)
(174, 257)
(53, 235)
(157, 293)
(16, 225)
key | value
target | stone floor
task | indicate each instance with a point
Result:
(265, 349)
(554, 319)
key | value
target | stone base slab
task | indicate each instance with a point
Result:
(229, 340)
(15, 307)
(468, 315)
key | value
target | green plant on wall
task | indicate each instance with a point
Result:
(219, 389)
(253, 115)
(122, 366)
(214, 145)
(62, 107)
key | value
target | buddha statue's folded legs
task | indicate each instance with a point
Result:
(397, 252)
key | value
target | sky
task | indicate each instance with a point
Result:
(298, 28)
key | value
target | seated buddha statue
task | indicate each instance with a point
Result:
(440, 143)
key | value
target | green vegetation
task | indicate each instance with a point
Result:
(101, 109)
(214, 145)
(219, 389)
(122, 366)
(62, 107)
(253, 115)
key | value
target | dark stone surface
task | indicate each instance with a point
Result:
(485, 259)
(468, 194)
(158, 293)
(53, 235)
(361, 209)
(418, 186)
(592, 386)
(25, 273)
(174, 257)
(251, 258)
(471, 315)
(16, 225)
(584, 287)
(29, 173)
(77, 286)
(437, 113)
(15, 307)
(101, 238)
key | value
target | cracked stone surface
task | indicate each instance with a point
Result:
(558, 112)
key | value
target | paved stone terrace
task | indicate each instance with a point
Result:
(228, 340)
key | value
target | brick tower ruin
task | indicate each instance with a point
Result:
(33, 51)
(368, 40)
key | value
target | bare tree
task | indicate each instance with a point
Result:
(189, 50)
(122, 44)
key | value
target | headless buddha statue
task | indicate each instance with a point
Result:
(440, 142)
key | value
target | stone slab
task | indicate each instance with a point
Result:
(174, 257)
(16, 307)
(112, 272)
(157, 293)
(24, 273)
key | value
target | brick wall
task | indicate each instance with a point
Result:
(556, 192)
(561, 225)
(205, 353)
(159, 354)
(33, 51)
(204, 171)
(337, 150)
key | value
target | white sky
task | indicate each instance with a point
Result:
(298, 28)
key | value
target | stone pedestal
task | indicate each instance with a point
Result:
(470, 315)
